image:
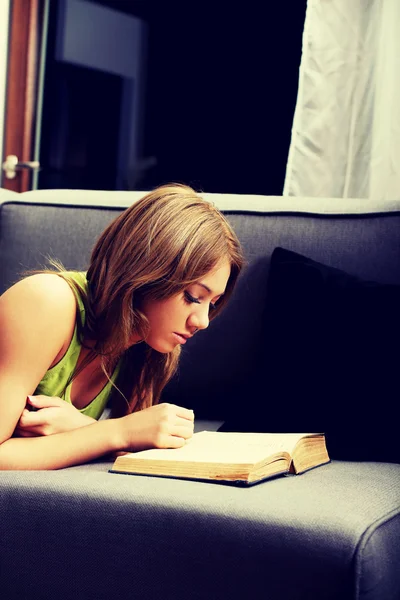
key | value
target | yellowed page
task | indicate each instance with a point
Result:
(226, 447)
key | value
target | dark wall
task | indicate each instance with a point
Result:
(220, 93)
(222, 88)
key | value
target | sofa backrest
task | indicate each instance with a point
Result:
(354, 235)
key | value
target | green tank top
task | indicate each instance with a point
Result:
(55, 379)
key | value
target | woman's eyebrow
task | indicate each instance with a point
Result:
(203, 285)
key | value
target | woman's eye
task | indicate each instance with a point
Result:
(189, 298)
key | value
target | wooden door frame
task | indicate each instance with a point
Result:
(26, 18)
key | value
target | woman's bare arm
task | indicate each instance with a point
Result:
(162, 426)
(62, 449)
(37, 318)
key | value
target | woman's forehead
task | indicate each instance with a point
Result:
(214, 282)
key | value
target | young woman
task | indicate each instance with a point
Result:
(74, 342)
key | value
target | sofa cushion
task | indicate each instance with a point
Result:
(357, 236)
(330, 361)
(331, 533)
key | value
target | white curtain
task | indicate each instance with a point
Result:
(346, 128)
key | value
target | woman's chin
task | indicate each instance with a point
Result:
(162, 349)
(161, 346)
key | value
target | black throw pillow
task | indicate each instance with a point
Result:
(329, 360)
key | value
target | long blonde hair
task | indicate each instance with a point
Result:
(166, 241)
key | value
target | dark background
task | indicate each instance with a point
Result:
(221, 89)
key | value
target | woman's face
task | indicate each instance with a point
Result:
(175, 320)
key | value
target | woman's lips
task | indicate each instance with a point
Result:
(181, 339)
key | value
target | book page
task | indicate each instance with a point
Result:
(226, 447)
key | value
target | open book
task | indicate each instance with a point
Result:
(240, 458)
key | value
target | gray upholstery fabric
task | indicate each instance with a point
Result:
(29, 234)
(82, 532)
(85, 533)
(221, 358)
(366, 245)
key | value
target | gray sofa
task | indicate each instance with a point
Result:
(333, 532)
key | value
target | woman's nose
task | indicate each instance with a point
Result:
(199, 319)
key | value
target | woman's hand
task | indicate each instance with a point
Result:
(161, 426)
(52, 415)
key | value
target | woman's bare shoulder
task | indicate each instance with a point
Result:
(43, 297)
(37, 319)
(42, 287)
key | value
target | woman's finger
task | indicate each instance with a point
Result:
(28, 419)
(181, 431)
(184, 413)
(32, 418)
(41, 401)
(184, 422)
(172, 441)
(176, 411)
